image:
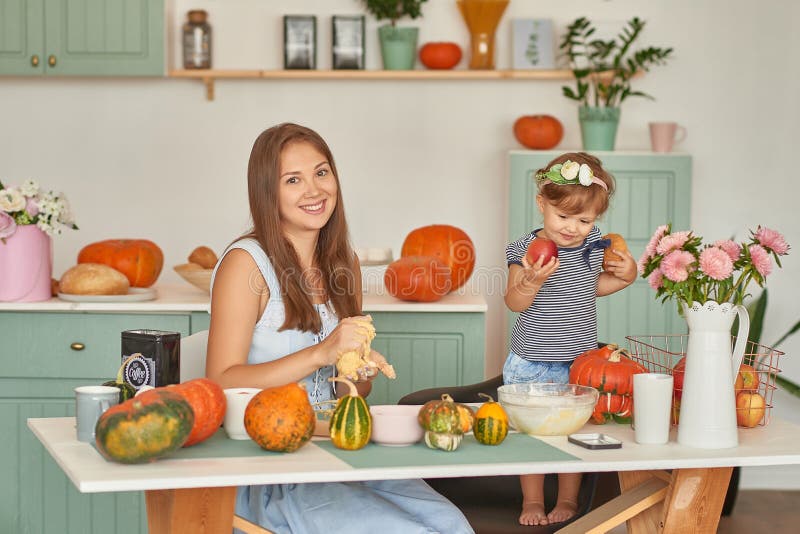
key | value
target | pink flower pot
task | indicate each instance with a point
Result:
(26, 265)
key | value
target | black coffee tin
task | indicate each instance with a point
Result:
(151, 357)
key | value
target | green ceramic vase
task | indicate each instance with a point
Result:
(398, 47)
(598, 127)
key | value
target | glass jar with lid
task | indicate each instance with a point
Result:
(197, 40)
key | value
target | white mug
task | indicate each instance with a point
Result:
(237, 399)
(652, 407)
(90, 403)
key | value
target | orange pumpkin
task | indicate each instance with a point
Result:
(208, 403)
(608, 369)
(280, 419)
(440, 55)
(610, 406)
(539, 132)
(139, 260)
(417, 278)
(448, 244)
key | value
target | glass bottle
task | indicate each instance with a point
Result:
(196, 41)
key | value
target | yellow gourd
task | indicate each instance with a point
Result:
(491, 422)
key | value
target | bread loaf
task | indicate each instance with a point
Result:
(93, 279)
(617, 243)
(204, 257)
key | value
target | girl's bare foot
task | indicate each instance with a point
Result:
(533, 514)
(562, 511)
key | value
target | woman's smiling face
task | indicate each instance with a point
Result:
(568, 230)
(307, 189)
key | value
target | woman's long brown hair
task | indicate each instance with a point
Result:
(334, 258)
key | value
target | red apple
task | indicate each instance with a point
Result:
(746, 379)
(750, 409)
(541, 246)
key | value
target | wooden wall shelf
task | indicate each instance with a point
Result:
(208, 77)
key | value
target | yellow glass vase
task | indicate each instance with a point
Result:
(482, 17)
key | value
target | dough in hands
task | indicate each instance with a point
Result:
(354, 364)
(93, 279)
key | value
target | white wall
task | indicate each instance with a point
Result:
(152, 158)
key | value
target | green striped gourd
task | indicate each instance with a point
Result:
(491, 423)
(351, 422)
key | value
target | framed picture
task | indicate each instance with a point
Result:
(299, 42)
(533, 45)
(348, 42)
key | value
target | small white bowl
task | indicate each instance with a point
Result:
(395, 425)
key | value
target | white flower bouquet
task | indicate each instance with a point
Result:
(29, 204)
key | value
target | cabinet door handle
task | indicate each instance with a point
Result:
(35, 60)
(77, 346)
(51, 60)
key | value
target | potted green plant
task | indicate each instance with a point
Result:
(603, 71)
(398, 44)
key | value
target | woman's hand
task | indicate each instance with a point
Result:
(624, 269)
(350, 334)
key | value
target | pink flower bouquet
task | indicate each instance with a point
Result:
(678, 265)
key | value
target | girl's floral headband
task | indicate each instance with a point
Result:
(570, 173)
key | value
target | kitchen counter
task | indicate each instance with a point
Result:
(182, 297)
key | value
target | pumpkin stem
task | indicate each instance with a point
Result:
(487, 396)
(353, 389)
(616, 355)
(447, 398)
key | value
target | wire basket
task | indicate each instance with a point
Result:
(660, 354)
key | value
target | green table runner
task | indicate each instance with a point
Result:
(515, 448)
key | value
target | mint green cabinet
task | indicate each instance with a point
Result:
(651, 190)
(43, 357)
(82, 37)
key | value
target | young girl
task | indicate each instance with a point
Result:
(286, 301)
(556, 300)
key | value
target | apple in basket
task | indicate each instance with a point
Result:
(750, 408)
(541, 246)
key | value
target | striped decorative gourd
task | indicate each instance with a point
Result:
(491, 423)
(351, 422)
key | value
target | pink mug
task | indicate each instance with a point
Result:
(664, 134)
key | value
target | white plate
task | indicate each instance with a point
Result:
(135, 294)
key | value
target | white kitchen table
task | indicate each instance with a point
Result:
(198, 493)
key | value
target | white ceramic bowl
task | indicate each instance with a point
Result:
(395, 424)
(547, 409)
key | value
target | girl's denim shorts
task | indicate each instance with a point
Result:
(517, 370)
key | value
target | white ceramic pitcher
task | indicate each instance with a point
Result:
(708, 405)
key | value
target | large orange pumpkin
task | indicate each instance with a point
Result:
(418, 278)
(448, 244)
(440, 55)
(606, 369)
(539, 132)
(280, 419)
(139, 260)
(208, 404)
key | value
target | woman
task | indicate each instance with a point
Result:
(286, 301)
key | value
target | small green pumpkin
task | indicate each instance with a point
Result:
(144, 428)
(491, 422)
(126, 391)
(351, 422)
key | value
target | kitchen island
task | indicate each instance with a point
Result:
(48, 348)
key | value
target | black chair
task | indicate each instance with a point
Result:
(492, 504)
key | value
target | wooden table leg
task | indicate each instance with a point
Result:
(646, 521)
(694, 500)
(195, 510)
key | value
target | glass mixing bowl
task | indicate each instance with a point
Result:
(543, 409)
